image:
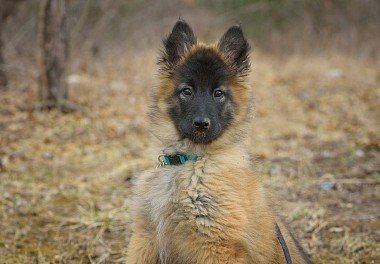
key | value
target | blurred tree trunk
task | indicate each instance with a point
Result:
(53, 37)
(7, 8)
(3, 76)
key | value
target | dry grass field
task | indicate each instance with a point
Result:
(66, 179)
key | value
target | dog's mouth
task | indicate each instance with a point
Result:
(201, 137)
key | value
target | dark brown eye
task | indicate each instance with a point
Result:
(187, 91)
(218, 93)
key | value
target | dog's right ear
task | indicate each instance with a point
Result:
(178, 43)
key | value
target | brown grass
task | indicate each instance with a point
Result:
(65, 179)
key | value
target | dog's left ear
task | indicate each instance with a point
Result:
(179, 42)
(236, 48)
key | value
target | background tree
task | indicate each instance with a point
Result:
(3, 77)
(53, 38)
(7, 7)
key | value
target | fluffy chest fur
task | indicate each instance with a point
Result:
(199, 205)
(194, 195)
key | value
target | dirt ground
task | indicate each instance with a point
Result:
(66, 178)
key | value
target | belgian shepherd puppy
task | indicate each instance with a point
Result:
(204, 205)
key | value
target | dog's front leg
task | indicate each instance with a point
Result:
(142, 249)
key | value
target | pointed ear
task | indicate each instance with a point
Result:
(178, 42)
(236, 48)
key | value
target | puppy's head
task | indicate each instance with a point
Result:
(202, 89)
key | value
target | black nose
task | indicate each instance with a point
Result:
(201, 123)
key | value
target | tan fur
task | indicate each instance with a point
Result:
(211, 211)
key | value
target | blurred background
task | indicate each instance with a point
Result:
(66, 174)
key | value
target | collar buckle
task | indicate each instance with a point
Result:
(161, 161)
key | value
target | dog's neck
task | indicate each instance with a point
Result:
(235, 154)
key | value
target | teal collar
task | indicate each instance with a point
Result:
(177, 159)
